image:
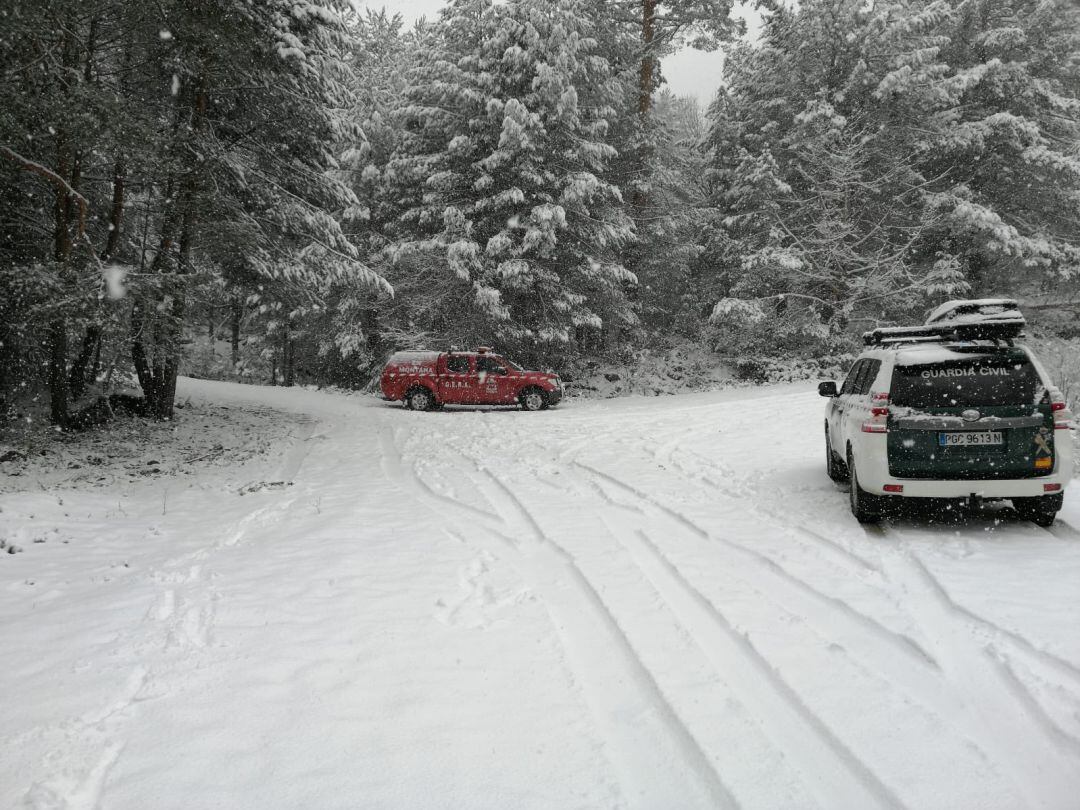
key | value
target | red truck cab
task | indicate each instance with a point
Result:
(427, 379)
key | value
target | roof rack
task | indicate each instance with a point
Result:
(996, 319)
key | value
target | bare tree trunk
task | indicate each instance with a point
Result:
(369, 322)
(62, 202)
(237, 312)
(646, 85)
(116, 212)
(56, 337)
(139, 356)
(83, 372)
(287, 373)
(158, 372)
(143, 333)
(648, 59)
(95, 368)
(56, 342)
(7, 362)
(80, 375)
(85, 368)
(91, 44)
(170, 367)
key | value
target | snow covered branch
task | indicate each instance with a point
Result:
(55, 179)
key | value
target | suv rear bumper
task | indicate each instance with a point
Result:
(874, 474)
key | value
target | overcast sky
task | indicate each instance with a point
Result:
(689, 73)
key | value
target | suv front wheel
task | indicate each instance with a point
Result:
(865, 507)
(1040, 510)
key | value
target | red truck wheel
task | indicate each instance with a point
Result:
(533, 399)
(420, 399)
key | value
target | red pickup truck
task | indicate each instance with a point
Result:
(426, 380)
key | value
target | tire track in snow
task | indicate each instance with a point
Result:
(1064, 531)
(1037, 658)
(300, 449)
(841, 556)
(829, 768)
(1056, 668)
(658, 762)
(945, 695)
(431, 492)
(826, 612)
(783, 710)
(409, 478)
(665, 450)
(1043, 768)
(926, 689)
(1020, 692)
(637, 717)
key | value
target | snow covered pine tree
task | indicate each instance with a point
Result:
(871, 159)
(503, 173)
(250, 160)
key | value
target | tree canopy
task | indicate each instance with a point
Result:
(291, 189)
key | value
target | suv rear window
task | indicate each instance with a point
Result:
(966, 382)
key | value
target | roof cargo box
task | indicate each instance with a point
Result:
(977, 311)
(978, 319)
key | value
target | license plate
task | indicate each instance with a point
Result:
(971, 438)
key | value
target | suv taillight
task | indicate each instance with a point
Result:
(1060, 408)
(879, 414)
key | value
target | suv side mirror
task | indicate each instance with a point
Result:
(827, 389)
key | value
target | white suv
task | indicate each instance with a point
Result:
(952, 409)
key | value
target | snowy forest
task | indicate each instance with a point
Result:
(540, 404)
(286, 191)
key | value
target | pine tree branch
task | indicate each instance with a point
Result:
(55, 179)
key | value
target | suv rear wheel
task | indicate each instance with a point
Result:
(1040, 510)
(835, 468)
(865, 507)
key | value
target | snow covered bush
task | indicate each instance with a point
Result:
(682, 367)
(685, 365)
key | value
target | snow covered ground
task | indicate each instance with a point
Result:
(635, 603)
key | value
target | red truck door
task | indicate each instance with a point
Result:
(457, 378)
(493, 381)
